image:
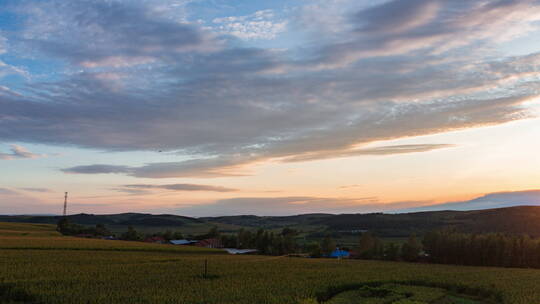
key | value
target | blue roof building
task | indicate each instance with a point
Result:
(339, 253)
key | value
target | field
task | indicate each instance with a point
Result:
(39, 266)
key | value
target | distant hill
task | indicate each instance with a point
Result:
(269, 222)
(514, 220)
(122, 219)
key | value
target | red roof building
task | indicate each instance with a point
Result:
(155, 239)
(210, 243)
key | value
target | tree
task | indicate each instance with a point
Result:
(327, 245)
(391, 252)
(168, 235)
(314, 250)
(131, 235)
(366, 247)
(245, 239)
(213, 233)
(228, 241)
(288, 240)
(288, 231)
(178, 235)
(62, 225)
(411, 249)
(102, 230)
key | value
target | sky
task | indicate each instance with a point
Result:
(215, 107)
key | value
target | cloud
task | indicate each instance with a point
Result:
(207, 167)
(13, 202)
(398, 149)
(5, 191)
(429, 69)
(276, 206)
(7, 91)
(39, 190)
(488, 201)
(383, 150)
(3, 44)
(18, 152)
(182, 187)
(409, 120)
(105, 33)
(259, 25)
(97, 169)
(222, 167)
(134, 192)
(431, 26)
(204, 168)
(350, 186)
(397, 16)
(7, 69)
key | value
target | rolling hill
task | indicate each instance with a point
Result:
(514, 220)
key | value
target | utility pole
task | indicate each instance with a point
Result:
(65, 204)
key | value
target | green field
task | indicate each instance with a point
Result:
(39, 266)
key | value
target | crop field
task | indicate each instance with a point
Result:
(39, 266)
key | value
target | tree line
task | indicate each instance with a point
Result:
(373, 248)
(493, 249)
(450, 247)
(441, 246)
(65, 227)
(266, 242)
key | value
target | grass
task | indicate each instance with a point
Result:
(186, 229)
(43, 267)
(27, 230)
(390, 293)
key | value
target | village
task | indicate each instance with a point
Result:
(206, 243)
(217, 244)
(263, 242)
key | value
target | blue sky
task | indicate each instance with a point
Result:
(209, 107)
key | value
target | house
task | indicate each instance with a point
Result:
(339, 253)
(354, 254)
(85, 235)
(240, 251)
(210, 243)
(156, 239)
(182, 242)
